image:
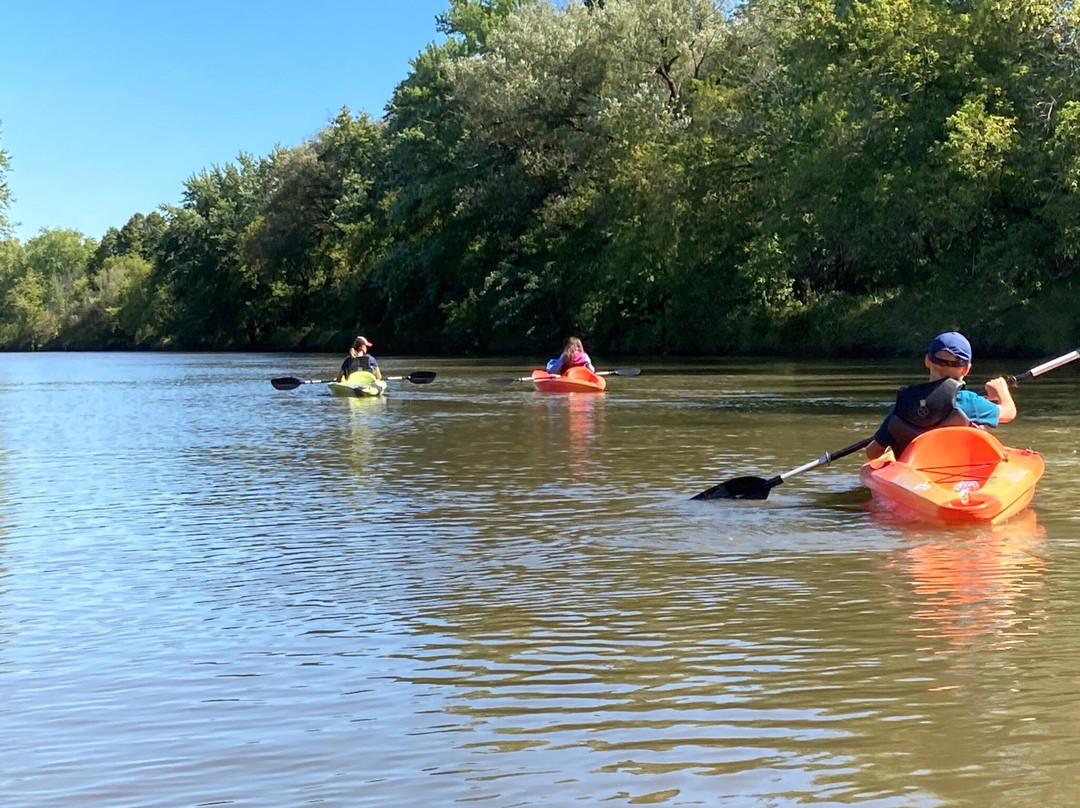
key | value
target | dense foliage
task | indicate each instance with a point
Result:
(686, 176)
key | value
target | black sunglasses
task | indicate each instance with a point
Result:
(948, 363)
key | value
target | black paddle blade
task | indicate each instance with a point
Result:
(286, 383)
(739, 488)
(628, 372)
(421, 377)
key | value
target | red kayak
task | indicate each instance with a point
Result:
(575, 380)
(955, 474)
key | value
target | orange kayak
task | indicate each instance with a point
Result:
(575, 380)
(955, 474)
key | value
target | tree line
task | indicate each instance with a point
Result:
(840, 177)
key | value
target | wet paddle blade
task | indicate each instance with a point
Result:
(739, 488)
(421, 377)
(286, 383)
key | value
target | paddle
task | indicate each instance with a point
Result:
(619, 372)
(291, 382)
(759, 488)
(419, 377)
(1044, 368)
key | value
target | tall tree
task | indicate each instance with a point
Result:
(220, 297)
(43, 298)
(572, 115)
(5, 194)
(431, 262)
(321, 229)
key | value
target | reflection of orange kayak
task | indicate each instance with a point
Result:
(955, 474)
(575, 380)
(974, 586)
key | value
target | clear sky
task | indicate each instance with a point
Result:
(106, 108)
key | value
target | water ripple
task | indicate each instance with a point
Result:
(215, 593)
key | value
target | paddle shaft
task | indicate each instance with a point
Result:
(619, 372)
(824, 460)
(291, 382)
(1045, 367)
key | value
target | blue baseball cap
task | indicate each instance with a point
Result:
(952, 341)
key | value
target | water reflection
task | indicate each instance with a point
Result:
(976, 589)
(573, 425)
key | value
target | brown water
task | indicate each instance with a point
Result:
(216, 593)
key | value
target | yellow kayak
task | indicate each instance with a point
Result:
(360, 383)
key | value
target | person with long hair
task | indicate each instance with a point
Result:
(359, 359)
(573, 355)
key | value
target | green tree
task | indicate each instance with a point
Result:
(431, 262)
(139, 236)
(571, 116)
(218, 295)
(29, 323)
(321, 230)
(44, 296)
(5, 194)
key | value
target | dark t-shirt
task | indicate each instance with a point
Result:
(365, 362)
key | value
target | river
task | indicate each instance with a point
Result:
(213, 592)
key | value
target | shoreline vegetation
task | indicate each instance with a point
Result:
(669, 177)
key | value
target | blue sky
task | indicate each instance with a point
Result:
(107, 108)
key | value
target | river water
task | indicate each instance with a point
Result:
(216, 593)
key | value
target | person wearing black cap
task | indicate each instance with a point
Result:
(359, 359)
(942, 401)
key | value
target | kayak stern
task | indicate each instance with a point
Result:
(955, 475)
(576, 380)
(360, 384)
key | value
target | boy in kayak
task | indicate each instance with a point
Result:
(942, 401)
(573, 355)
(359, 359)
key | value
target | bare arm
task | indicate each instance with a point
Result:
(997, 390)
